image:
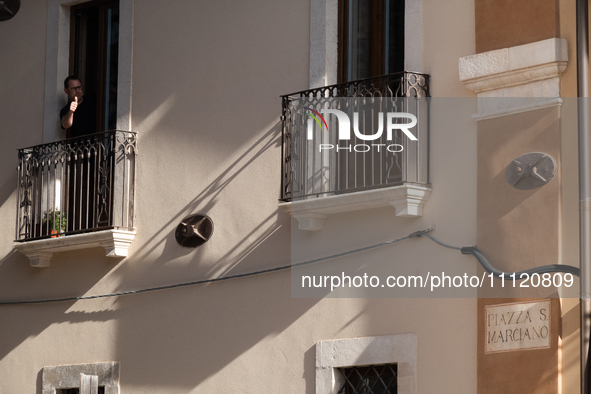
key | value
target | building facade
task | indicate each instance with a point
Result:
(202, 101)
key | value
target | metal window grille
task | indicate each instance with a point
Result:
(372, 379)
(101, 390)
(89, 384)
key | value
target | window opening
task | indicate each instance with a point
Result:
(371, 38)
(372, 379)
(101, 390)
(94, 49)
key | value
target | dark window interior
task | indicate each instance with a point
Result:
(94, 49)
(101, 390)
(371, 38)
(372, 379)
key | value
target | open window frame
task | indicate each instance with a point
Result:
(371, 37)
(94, 41)
(57, 65)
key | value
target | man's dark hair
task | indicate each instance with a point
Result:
(71, 78)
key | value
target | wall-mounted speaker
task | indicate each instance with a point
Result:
(194, 230)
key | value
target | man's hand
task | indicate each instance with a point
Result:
(69, 118)
(74, 104)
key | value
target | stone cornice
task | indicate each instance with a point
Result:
(516, 77)
(514, 66)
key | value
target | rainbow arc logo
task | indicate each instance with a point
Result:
(316, 118)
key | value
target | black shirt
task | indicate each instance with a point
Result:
(84, 117)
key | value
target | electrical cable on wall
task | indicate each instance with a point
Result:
(511, 275)
(473, 250)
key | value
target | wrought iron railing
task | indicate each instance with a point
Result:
(310, 168)
(77, 185)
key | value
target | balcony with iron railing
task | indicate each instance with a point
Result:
(340, 163)
(76, 194)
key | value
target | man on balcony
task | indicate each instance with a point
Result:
(79, 115)
(79, 118)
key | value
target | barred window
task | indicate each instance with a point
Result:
(101, 390)
(372, 379)
(95, 378)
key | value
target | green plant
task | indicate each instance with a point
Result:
(54, 220)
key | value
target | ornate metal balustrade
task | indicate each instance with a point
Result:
(309, 170)
(77, 185)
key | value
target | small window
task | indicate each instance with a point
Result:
(96, 378)
(101, 390)
(372, 379)
(378, 365)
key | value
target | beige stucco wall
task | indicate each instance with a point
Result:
(448, 34)
(558, 20)
(505, 23)
(205, 104)
(519, 230)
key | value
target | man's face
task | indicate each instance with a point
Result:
(74, 90)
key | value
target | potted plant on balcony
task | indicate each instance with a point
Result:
(54, 221)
